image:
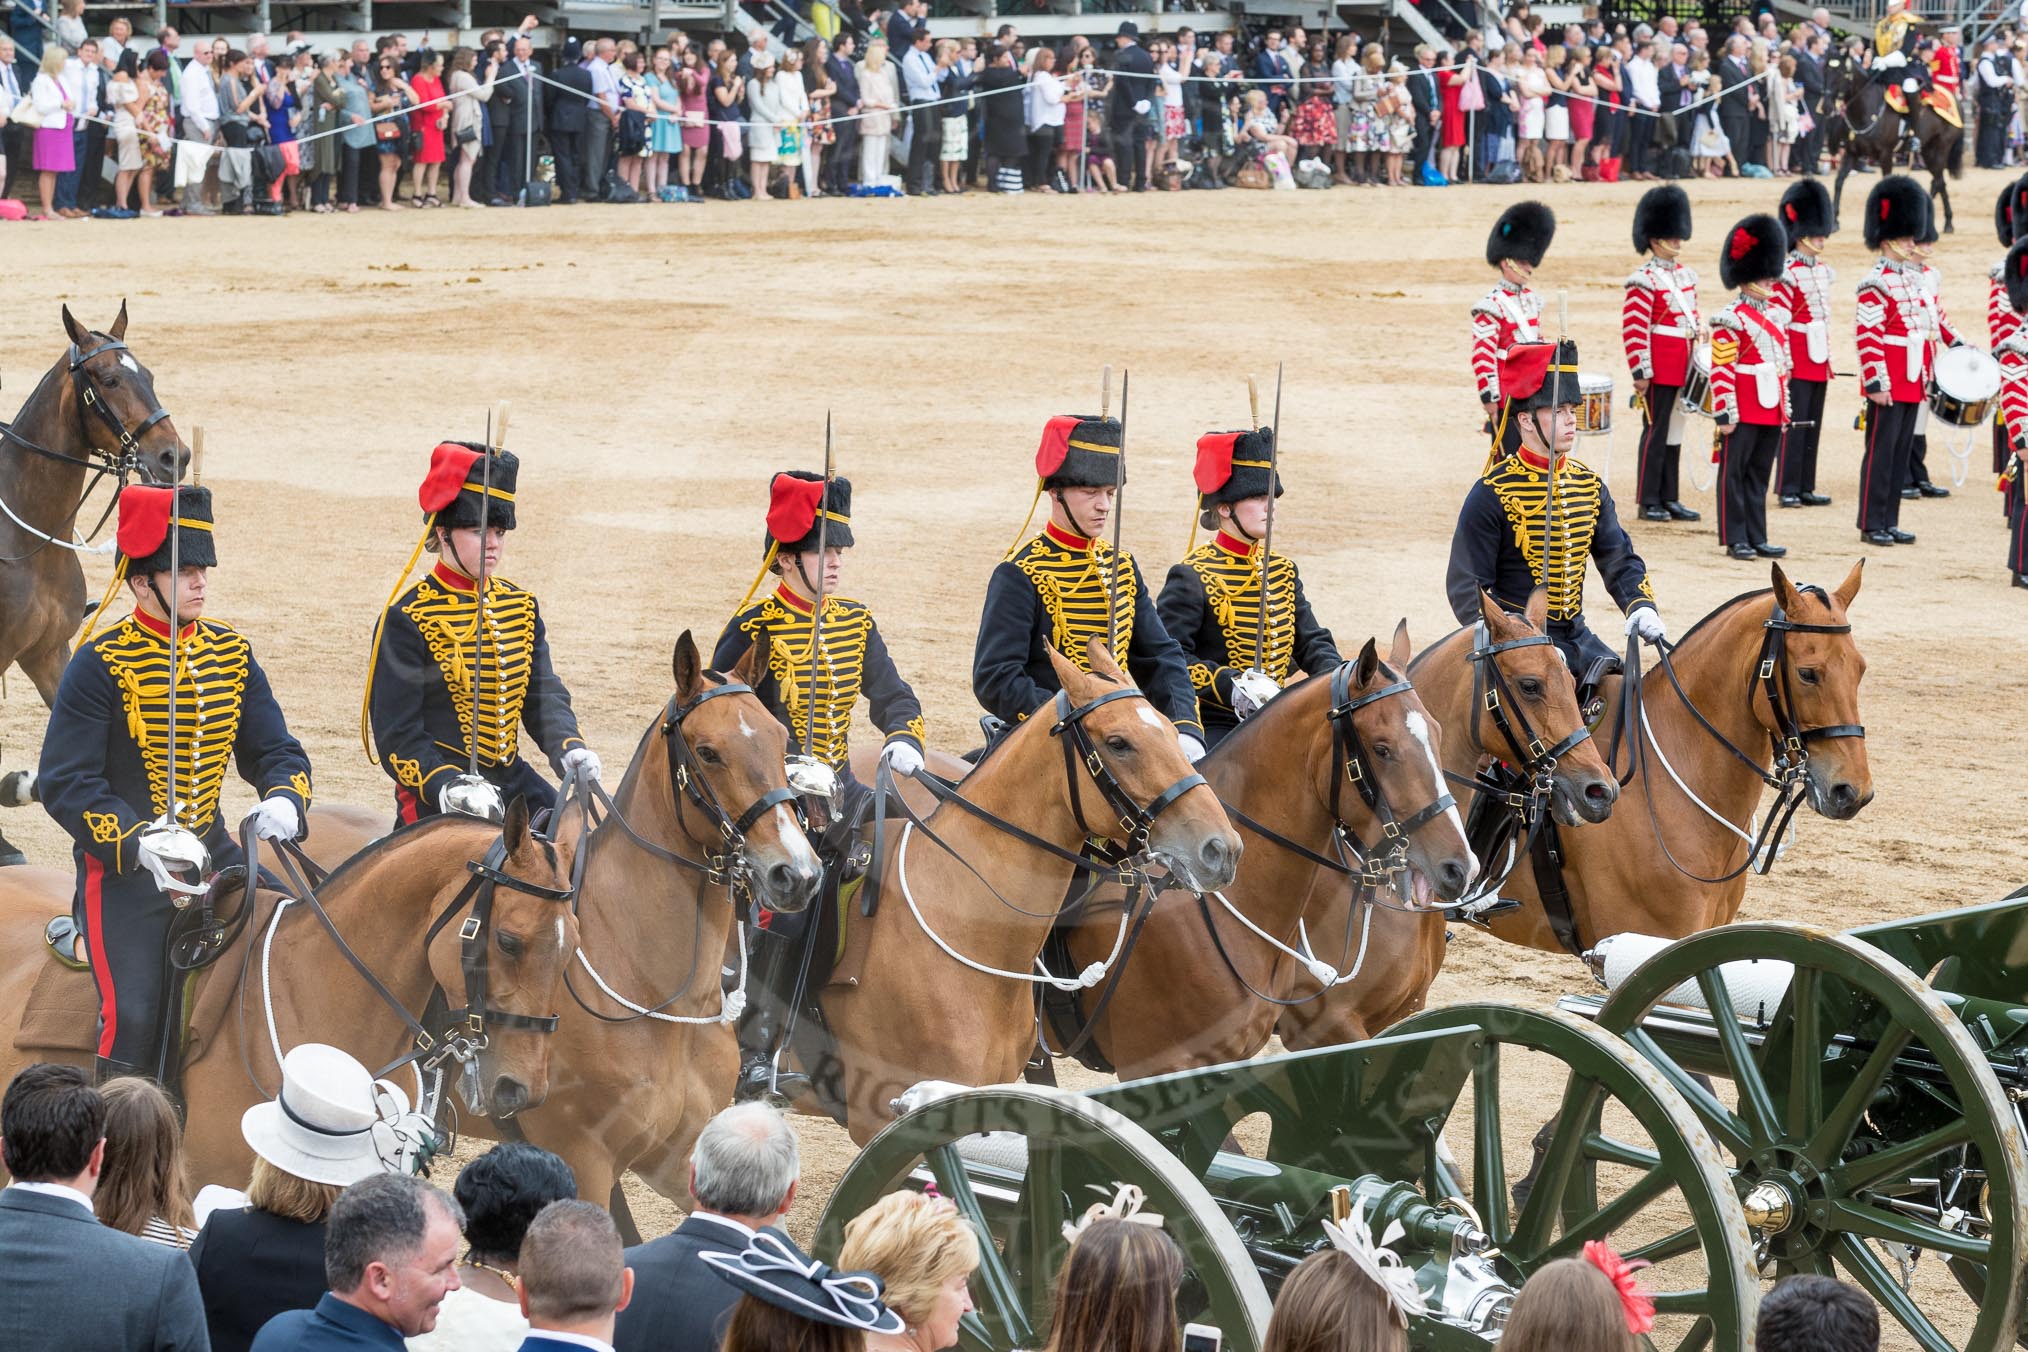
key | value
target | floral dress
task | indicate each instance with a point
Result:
(1396, 119)
(151, 119)
(1365, 132)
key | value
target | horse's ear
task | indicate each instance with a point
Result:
(118, 332)
(1369, 665)
(1399, 654)
(1849, 588)
(1067, 674)
(689, 669)
(1489, 611)
(1537, 612)
(515, 829)
(1101, 659)
(754, 660)
(1785, 591)
(79, 334)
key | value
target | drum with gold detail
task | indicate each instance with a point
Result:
(1594, 404)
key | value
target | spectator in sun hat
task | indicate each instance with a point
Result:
(790, 1299)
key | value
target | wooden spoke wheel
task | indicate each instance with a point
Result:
(1866, 1128)
(1624, 1159)
(1052, 1155)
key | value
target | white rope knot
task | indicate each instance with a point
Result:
(735, 1005)
(1380, 1262)
(1125, 1206)
(1323, 973)
(1091, 976)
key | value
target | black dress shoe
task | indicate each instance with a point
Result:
(2021, 581)
(1656, 514)
(1816, 500)
(1679, 512)
(1877, 537)
(1930, 490)
(1902, 537)
(1911, 493)
(1742, 551)
(1768, 551)
(1791, 500)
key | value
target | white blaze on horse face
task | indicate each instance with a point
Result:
(745, 728)
(1418, 728)
(794, 843)
(128, 362)
(1150, 717)
(559, 934)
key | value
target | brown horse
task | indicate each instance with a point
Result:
(383, 901)
(1506, 659)
(1099, 762)
(1199, 988)
(93, 411)
(1876, 135)
(655, 913)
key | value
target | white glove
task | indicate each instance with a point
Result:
(902, 757)
(1193, 750)
(166, 849)
(1646, 624)
(585, 759)
(471, 796)
(1141, 107)
(276, 818)
(1251, 690)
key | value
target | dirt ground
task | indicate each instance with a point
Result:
(661, 364)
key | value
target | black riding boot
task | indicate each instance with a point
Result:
(770, 991)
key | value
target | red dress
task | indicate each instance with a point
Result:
(1450, 87)
(424, 120)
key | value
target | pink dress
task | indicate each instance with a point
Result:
(424, 120)
(696, 131)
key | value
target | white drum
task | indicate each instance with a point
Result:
(1963, 384)
(1698, 396)
(1594, 405)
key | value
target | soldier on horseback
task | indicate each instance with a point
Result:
(1510, 313)
(446, 750)
(1057, 589)
(1213, 601)
(132, 767)
(815, 674)
(1895, 42)
(1503, 546)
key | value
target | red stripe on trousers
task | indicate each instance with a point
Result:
(102, 967)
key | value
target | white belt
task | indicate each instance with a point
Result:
(1767, 381)
(1669, 331)
(1816, 338)
(1915, 345)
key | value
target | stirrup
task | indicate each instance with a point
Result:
(759, 1081)
(61, 935)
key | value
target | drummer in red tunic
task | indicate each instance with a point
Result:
(1893, 322)
(1805, 292)
(2012, 354)
(1510, 314)
(1749, 383)
(1659, 325)
(1918, 484)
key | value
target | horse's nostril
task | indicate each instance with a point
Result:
(1453, 874)
(1597, 792)
(1215, 853)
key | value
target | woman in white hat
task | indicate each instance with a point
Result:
(333, 1125)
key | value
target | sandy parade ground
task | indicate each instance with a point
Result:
(662, 364)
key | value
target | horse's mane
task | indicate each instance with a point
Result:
(1723, 609)
(368, 854)
(1423, 656)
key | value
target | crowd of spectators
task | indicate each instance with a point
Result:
(336, 1244)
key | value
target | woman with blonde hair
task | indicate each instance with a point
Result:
(879, 97)
(141, 1188)
(1116, 1291)
(1329, 1304)
(924, 1253)
(55, 148)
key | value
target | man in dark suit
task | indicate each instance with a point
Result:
(1134, 90)
(743, 1176)
(1273, 66)
(902, 26)
(135, 1296)
(1422, 92)
(574, 1280)
(1735, 105)
(14, 140)
(1672, 72)
(567, 115)
(517, 116)
(841, 165)
(1993, 83)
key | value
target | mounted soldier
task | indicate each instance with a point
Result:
(1895, 42)
(443, 754)
(815, 671)
(133, 765)
(1805, 292)
(1065, 585)
(1659, 326)
(1241, 650)
(1505, 548)
(1510, 313)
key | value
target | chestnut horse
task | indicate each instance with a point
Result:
(1538, 730)
(1202, 986)
(386, 902)
(702, 811)
(93, 411)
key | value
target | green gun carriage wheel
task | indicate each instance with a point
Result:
(1641, 1166)
(1867, 1127)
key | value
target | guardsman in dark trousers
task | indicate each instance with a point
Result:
(2010, 217)
(854, 662)
(1749, 384)
(1211, 603)
(1051, 591)
(1805, 293)
(428, 658)
(1893, 321)
(1919, 485)
(1510, 313)
(1498, 547)
(1659, 325)
(106, 759)
(2012, 354)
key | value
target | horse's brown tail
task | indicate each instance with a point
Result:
(1957, 157)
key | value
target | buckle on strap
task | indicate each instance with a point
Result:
(470, 929)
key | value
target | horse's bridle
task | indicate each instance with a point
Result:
(1134, 820)
(1492, 691)
(729, 868)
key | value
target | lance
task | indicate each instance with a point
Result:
(196, 455)
(817, 615)
(479, 618)
(1267, 544)
(1119, 492)
(175, 626)
(1555, 403)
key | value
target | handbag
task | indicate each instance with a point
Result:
(24, 114)
(1472, 95)
(467, 135)
(1253, 175)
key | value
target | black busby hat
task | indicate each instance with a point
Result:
(1079, 451)
(143, 534)
(1897, 208)
(2003, 216)
(795, 498)
(1662, 213)
(1523, 232)
(458, 479)
(1927, 235)
(2015, 273)
(1540, 375)
(1806, 210)
(1233, 466)
(1754, 251)
(2017, 210)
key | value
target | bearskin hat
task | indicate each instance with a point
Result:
(1540, 375)
(1755, 250)
(143, 535)
(2015, 273)
(1897, 208)
(1079, 451)
(1233, 466)
(2003, 216)
(1806, 210)
(1523, 232)
(458, 479)
(1662, 213)
(1927, 235)
(795, 496)
(2017, 208)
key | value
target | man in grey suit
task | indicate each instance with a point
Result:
(743, 1173)
(65, 1280)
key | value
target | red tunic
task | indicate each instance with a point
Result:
(1750, 364)
(1805, 292)
(1502, 317)
(1658, 321)
(1897, 324)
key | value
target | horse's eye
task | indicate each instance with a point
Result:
(1531, 688)
(709, 756)
(510, 944)
(1807, 675)
(1383, 750)
(1119, 744)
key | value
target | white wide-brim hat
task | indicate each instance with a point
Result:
(333, 1123)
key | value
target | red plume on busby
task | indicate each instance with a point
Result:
(1754, 251)
(1540, 375)
(1233, 466)
(1806, 210)
(1897, 208)
(1078, 451)
(1662, 213)
(143, 534)
(2003, 216)
(2015, 272)
(457, 478)
(794, 498)
(1523, 232)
